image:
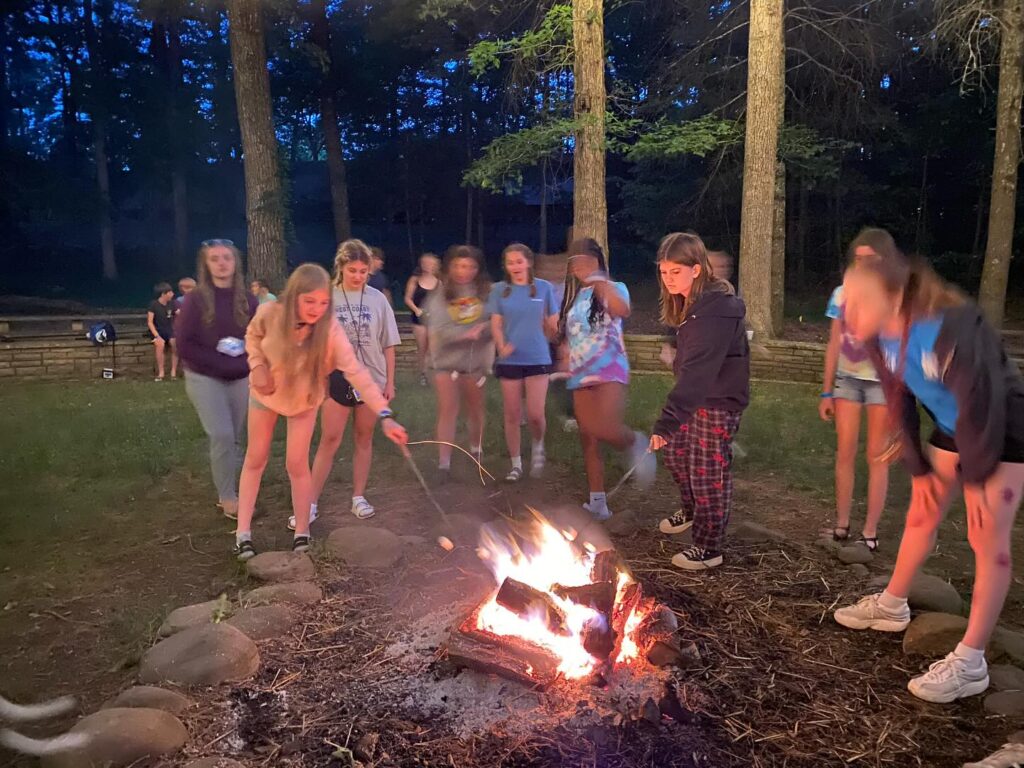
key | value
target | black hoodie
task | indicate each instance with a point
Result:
(712, 365)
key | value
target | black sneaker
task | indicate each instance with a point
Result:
(681, 521)
(244, 550)
(301, 544)
(697, 559)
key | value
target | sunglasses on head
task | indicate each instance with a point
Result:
(217, 241)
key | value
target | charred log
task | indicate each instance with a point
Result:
(472, 652)
(607, 566)
(600, 596)
(599, 637)
(525, 601)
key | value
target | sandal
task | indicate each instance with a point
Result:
(514, 475)
(301, 544)
(871, 542)
(841, 533)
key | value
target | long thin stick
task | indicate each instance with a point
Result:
(423, 483)
(628, 475)
(482, 469)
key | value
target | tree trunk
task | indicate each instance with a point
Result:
(778, 305)
(590, 205)
(1002, 206)
(97, 108)
(922, 209)
(764, 71)
(321, 34)
(5, 100)
(264, 201)
(979, 220)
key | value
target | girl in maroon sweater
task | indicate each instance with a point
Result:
(702, 413)
(210, 328)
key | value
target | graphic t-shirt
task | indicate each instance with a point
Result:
(853, 357)
(369, 323)
(922, 371)
(163, 317)
(523, 319)
(597, 353)
(452, 325)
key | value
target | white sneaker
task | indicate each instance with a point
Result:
(312, 517)
(869, 613)
(1010, 756)
(362, 509)
(600, 514)
(950, 679)
(679, 522)
(537, 462)
(644, 461)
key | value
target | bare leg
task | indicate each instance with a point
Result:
(300, 434)
(586, 404)
(174, 359)
(447, 413)
(512, 398)
(536, 398)
(422, 345)
(261, 434)
(878, 471)
(158, 349)
(333, 418)
(847, 439)
(603, 407)
(365, 423)
(473, 396)
(991, 510)
(922, 524)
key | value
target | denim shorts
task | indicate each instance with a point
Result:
(859, 391)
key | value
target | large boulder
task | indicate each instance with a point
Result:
(206, 655)
(263, 622)
(933, 634)
(930, 593)
(150, 697)
(121, 737)
(293, 593)
(1006, 677)
(1006, 703)
(363, 546)
(1007, 644)
(192, 616)
(854, 553)
(281, 566)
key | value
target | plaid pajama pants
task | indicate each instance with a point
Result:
(699, 457)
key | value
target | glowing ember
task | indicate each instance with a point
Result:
(630, 651)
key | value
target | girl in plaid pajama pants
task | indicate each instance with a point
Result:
(702, 412)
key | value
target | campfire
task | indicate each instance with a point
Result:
(561, 610)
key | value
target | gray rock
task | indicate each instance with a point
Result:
(206, 655)
(750, 531)
(293, 593)
(930, 593)
(828, 544)
(854, 553)
(933, 634)
(363, 546)
(859, 569)
(281, 566)
(1006, 677)
(150, 697)
(121, 737)
(881, 581)
(215, 762)
(1006, 703)
(1007, 644)
(263, 622)
(192, 616)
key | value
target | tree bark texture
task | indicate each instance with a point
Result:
(264, 199)
(321, 34)
(1002, 206)
(764, 71)
(590, 204)
(97, 108)
(778, 274)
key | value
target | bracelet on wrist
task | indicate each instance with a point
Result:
(387, 413)
(826, 395)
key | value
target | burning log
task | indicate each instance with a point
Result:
(655, 637)
(525, 601)
(535, 669)
(607, 566)
(600, 596)
(599, 637)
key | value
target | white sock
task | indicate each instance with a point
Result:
(972, 656)
(890, 602)
(517, 462)
(444, 464)
(243, 536)
(476, 449)
(538, 447)
(312, 510)
(357, 498)
(598, 501)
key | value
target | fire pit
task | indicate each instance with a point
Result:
(561, 610)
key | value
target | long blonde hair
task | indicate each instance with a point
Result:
(687, 250)
(351, 250)
(310, 358)
(204, 284)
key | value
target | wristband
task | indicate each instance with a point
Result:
(387, 413)
(826, 395)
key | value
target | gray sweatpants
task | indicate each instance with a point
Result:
(222, 406)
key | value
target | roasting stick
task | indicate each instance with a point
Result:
(629, 474)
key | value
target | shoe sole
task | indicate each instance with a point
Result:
(245, 558)
(879, 625)
(690, 565)
(291, 526)
(970, 689)
(362, 517)
(674, 529)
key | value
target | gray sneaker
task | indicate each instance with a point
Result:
(869, 613)
(950, 679)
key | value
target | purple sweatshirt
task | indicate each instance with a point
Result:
(197, 341)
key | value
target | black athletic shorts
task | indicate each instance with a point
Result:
(520, 372)
(1013, 448)
(341, 391)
